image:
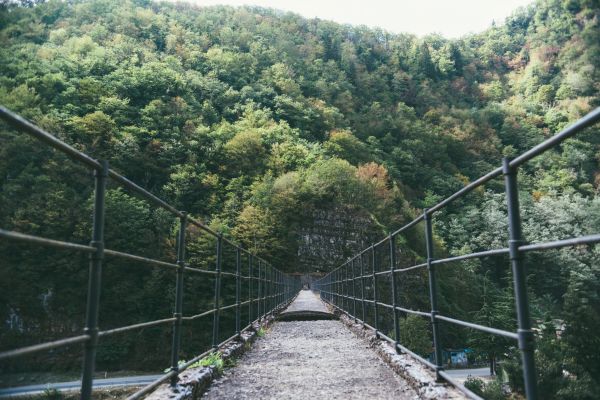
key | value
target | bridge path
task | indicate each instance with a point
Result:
(310, 359)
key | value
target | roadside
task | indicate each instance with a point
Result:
(138, 380)
(11, 380)
(461, 375)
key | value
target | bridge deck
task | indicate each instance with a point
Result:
(310, 359)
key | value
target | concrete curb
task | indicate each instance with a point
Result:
(419, 377)
(193, 382)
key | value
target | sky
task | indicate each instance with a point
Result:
(451, 18)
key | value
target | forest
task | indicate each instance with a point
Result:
(265, 124)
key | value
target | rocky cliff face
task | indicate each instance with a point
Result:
(330, 236)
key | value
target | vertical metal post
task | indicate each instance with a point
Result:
(269, 280)
(259, 294)
(94, 281)
(375, 292)
(238, 289)
(394, 291)
(280, 287)
(362, 288)
(344, 287)
(176, 343)
(272, 295)
(433, 294)
(515, 239)
(267, 289)
(353, 289)
(334, 287)
(250, 279)
(215, 338)
(347, 286)
(277, 290)
(337, 288)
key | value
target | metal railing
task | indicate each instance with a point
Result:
(274, 290)
(338, 288)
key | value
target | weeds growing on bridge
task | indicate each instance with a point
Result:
(261, 332)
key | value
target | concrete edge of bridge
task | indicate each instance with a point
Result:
(193, 382)
(419, 377)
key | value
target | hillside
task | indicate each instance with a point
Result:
(305, 140)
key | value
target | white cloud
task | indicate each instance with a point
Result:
(451, 18)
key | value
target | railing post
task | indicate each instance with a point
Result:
(259, 294)
(394, 291)
(178, 298)
(94, 281)
(266, 290)
(334, 288)
(238, 288)
(362, 288)
(344, 287)
(338, 289)
(272, 294)
(215, 338)
(250, 279)
(269, 282)
(284, 288)
(515, 239)
(276, 289)
(353, 290)
(433, 295)
(375, 292)
(347, 287)
(280, 287)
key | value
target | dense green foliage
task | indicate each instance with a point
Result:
(253, 119)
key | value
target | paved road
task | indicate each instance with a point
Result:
(75, 385)
(310, 359)
(464, 373)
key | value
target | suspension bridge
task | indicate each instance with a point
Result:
(308, 352)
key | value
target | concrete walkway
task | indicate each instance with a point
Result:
(310, 359)
(307, 301)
